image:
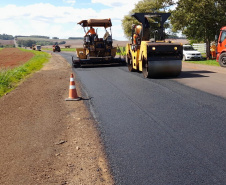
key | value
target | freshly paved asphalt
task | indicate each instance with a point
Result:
(157, 131)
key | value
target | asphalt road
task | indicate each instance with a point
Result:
(157, 131)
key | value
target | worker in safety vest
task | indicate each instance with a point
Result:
(137, 33)
(91, 31)
(213, 49)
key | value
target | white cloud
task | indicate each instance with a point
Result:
(49, 20)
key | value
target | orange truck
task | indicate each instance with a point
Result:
(221, 47)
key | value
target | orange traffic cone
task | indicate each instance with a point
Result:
(73, 96)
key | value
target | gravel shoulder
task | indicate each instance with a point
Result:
(45, 139)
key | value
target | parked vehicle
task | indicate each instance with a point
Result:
(221, 47)
(38, 47)
(189, 53)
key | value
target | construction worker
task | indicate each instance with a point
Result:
(91, 31)
(136, 35)
(213, 49)
(106, 35)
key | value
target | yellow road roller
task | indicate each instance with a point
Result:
(149, 52)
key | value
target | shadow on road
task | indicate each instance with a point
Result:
(194, 74)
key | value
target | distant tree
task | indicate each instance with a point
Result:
(6, 37)
(62, 42)
(44, 43)
(144, 6)
(199, 20)
(55, 38)
(75, 37)
(39, 36)
(26, 43)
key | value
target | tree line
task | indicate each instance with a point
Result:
(29, 43)
(6, 37)
(34, 36)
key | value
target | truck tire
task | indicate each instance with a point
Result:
(222, 60)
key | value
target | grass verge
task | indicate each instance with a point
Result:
(121, 51)
(10, 78)
(62, 49)
(206, 62)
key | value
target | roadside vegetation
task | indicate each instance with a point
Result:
(10, 78)
(205, 62)
(121, 51)
(62, 49)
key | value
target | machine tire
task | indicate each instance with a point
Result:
(145, 68)
(129, 62)
(222, 60)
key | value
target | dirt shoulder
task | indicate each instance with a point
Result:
(45, 139)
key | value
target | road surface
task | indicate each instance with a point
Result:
(159, 131)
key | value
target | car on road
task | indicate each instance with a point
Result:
(189, 53)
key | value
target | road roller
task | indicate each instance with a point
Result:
(149, 53)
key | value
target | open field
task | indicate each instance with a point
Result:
(74, 43)
(6, 42)
(17, 64)
(12, 57)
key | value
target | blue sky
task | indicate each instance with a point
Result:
(58, 18)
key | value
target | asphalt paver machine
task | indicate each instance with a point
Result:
(96, 49)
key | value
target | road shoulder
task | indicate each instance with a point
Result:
(45, 139)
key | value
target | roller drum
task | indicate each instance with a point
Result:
(167, 68)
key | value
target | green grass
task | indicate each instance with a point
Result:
(205, 62)
(68, 49)
(62, 49)
(123, 51)
(10, 78)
